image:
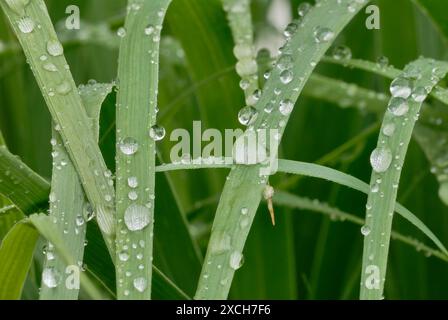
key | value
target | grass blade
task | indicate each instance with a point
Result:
(68, 205)
(26, 189)
(243, 189)
(136, 115)
(293, 201)
(387, 160)
(33, 27)
(326, 173)
(16, 256)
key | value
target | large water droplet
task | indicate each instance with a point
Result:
(323, 34)
(54, 48)
(286, 76)
(26, 25)
(51, 277)
(398, 106)
(419, 94)
(140, 284)
(247, 115)
(286, 107)
(137, 217)
(157, 132)
(401, 88)
(380, 159)
(133, 182)
(285, 62)
(290, 30)
(129, 146)
(236, 260)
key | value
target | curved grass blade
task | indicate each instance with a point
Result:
(68, 205)
(26, 189)
(138, 68)
(329, 174)
(243, 190)
(33, 27)
(409, 91)
(293, 201)
(16, 256)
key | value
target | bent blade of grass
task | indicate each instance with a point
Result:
(243, 190)
(390, 72)
(26, 189)
(329, 174)
(16, 256)
(138, 68)
(68, 205)
(387, 162)
(240, 21)
(33, 27)
(293, 201)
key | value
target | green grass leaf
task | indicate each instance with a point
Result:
(16, 255)
(138, 68)
(387, 161)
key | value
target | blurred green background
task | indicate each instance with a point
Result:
(306, 255)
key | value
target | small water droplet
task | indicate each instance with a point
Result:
(365, 230)
(247, 115)
(54, 48)
(51, 277)
(157, 132)
(286, 76)
(303, 9)
(121, 32)
(133, 182)
(342, 53)
(389, 129)
(401, 88)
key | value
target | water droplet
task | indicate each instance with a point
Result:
(398, 106)
(129, 146)
(149, 30)
(286, 107)
(79, 220)
(389, 129)
(121, 32)
(140, 284)
(51, 277)
(137, 217)
(419, 94)
(157, 132)
(132, 195)
(50, 67)
(382, 62)
(290, 30)
(64, 88)
(236, 260)
(247, 115)
(286, 76)
(365, 230)
(380, 159)
(285, 62)
(342, 53)
(26, 25)
(243, 51)
(323, 34)
(54, 48)
(123, 256)
(304, 8)
(244, 211)
(401, 88)
(133, 182)
(269, 107)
